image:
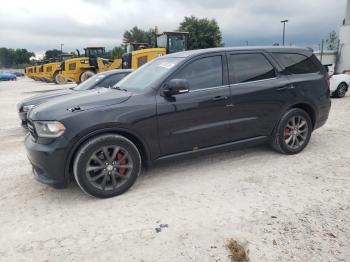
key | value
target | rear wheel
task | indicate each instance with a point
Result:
(86, 75)
(341, 90)
(293, 132)
(107, 165)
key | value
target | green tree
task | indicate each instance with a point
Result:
(204, 33)
(332, 41)
(22, 56)
(116, 52)
(137, 35)
(54, 53)
(11, 58)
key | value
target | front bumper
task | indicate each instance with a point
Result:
(23, 117)
(48, 161)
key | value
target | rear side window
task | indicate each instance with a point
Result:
(297, 63)
(203, 73)
(249, 67)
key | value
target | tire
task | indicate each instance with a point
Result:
(58, 78)
(285, 138)
(86, 75)
(108, 176)
(341, 90)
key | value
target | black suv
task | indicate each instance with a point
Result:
(177, 105)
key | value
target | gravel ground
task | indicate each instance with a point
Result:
(287, 208)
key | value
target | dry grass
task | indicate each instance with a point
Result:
(238, 251)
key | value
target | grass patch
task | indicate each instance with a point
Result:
(238, 251)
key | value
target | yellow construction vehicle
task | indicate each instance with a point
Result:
(167, 43)
(38, 72)
(81, 68)
(51, 69)
(29, 71)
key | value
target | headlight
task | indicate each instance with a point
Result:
(49, 129)
(27, 108)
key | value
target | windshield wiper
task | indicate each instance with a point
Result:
(118, 88)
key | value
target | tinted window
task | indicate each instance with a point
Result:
(72, 66)
(149, 73)
(296, 63)
(111, 81)
(249, 67)
(202, 73)
(90, 83)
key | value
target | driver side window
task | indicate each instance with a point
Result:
(202, 73)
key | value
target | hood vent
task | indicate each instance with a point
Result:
(73, 109)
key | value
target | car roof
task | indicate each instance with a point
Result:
(272, 49)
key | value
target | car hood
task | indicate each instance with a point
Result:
(38, 99)
(59, 107)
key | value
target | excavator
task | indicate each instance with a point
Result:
(80, 68)
(167, 43)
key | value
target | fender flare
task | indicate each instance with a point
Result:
(145, 151)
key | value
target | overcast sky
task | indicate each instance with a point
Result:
(39, 25)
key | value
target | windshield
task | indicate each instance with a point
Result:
(173, 42)
(94, 52)
(89, 83)
(148, 73)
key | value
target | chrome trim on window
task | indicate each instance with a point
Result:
(256, 81)
(209, 88)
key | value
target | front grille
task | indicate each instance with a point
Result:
(31, 129)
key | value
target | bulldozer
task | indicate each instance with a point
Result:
(166, 43)
(80, 68)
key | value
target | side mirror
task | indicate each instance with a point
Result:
(176, 86)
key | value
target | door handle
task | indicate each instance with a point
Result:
(218, 98)
(286, 87)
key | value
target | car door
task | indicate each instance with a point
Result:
(199, 118)
(258, 93)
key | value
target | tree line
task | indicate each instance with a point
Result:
(14, 58)
(203, 33)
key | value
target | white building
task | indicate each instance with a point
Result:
(343, 63)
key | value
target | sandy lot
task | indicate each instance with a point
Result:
(288, 208)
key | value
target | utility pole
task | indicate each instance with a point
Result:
(284, 30)
(62, 47)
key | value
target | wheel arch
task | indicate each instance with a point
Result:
(343, 82)
(308, 109)
(134, 138)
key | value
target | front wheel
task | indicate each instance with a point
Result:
(58, 78)
(341, 90)
(107, 166)
(86, 75)
(293, 132)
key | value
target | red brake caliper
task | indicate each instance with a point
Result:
(121, 170)
(286, 133)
